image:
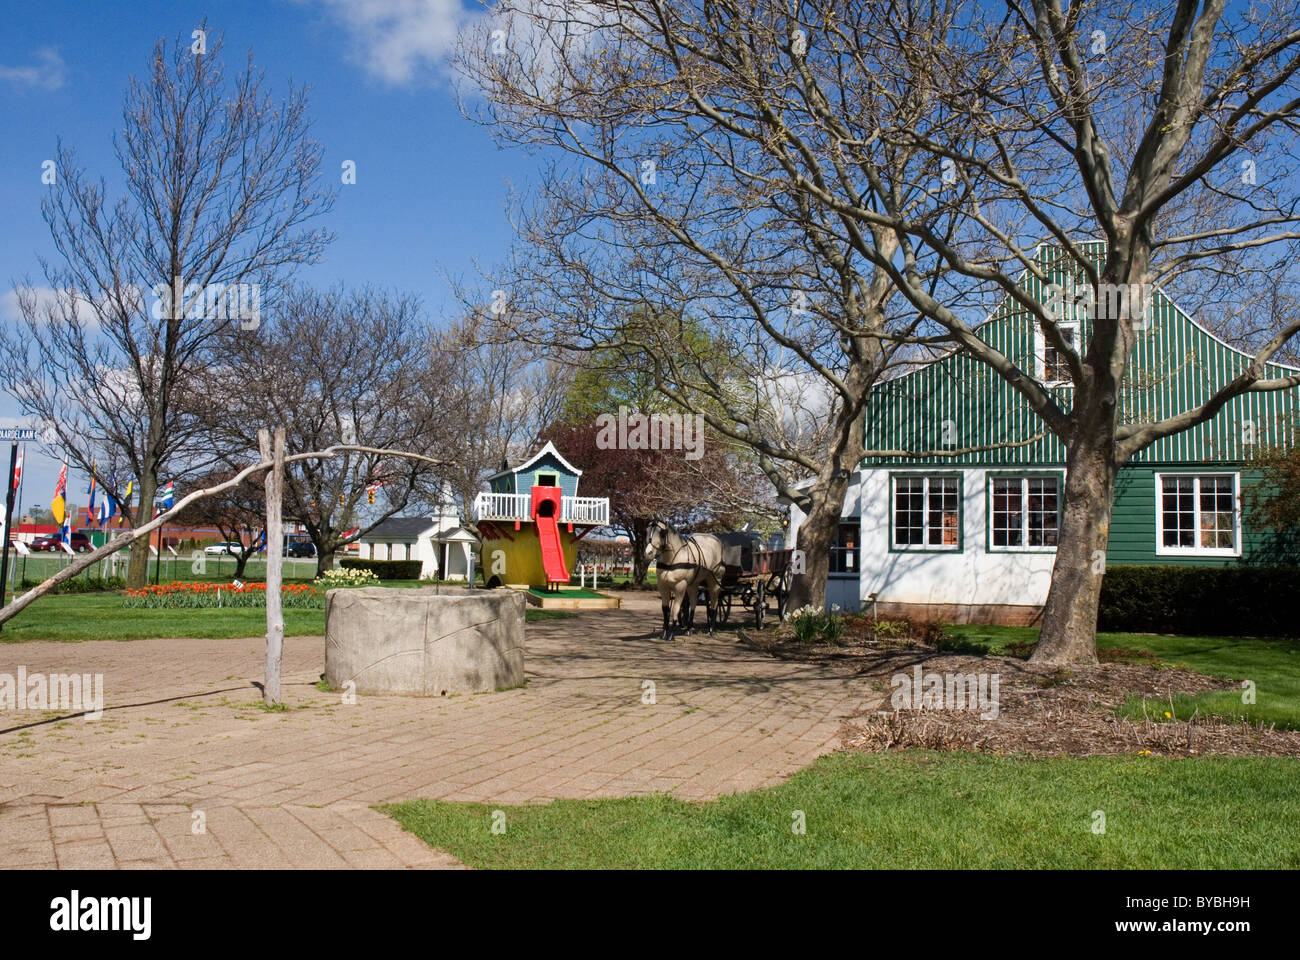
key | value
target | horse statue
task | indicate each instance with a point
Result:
(682, 564)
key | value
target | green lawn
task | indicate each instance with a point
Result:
(1272, 664)
(101, 616)
(907, 810)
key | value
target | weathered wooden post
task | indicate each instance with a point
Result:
(274, 562)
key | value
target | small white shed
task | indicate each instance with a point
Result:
(440, 543)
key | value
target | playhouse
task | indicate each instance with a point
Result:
(531, 519)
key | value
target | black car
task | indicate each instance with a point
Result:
(300, 548)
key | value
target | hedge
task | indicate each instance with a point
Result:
(1200, 601)
(385, 569)
(81, 584)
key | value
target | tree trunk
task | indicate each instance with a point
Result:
(241, 561)
(324, 561)
(137, 571)
(816, 537)
(1069, 633)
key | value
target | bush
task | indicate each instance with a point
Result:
(385, 569)
(81, 584)
(1200, 601)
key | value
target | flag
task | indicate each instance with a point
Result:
(65, 533)
(58, 506)
(18, 470)
(108, 506)
(90, 502)
(168, 495)
(126, 498)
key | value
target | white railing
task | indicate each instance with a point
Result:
(592, 511)
(502, 506)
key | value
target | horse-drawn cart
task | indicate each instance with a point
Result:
(751, 576)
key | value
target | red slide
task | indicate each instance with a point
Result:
(546, 514)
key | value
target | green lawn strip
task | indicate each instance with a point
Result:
(1272, 664)
(911, 810)
(101, 616)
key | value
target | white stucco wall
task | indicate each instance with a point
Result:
(973, 576)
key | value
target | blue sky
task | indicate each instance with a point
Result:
(431, 186)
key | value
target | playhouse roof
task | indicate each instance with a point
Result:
(549, 448)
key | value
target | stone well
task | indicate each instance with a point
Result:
(424, 642)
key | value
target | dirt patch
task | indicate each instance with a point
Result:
(1040, 709)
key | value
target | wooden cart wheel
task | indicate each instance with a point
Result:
(724, 608)
(782, 592)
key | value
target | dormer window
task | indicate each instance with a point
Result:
(1053, 368)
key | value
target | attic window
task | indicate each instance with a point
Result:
(547, 480)
(1053, 368)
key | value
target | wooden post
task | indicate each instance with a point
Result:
(274, 562)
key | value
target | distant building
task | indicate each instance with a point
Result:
(443, 547)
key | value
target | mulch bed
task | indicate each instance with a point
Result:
(1042, 710)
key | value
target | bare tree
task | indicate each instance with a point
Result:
(937, 144)
(672, 243)
(337, 367)
(238, 514)
(219, 190)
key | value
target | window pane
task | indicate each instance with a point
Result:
(941, 523)
(1043, 520)
(909, 515)
(1218, 529)
(1007, 516)
(1178, 511)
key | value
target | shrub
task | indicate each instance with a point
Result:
(1205, 601)
(385, 569)
(811, 624)
(81, 584)
(346, 577)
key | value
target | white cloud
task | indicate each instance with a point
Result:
(48, 73)
(48, 298)
(399, 40)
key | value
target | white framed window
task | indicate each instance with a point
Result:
(1024, 512)
(1197, 514)
(926, 512)
(1052, 365)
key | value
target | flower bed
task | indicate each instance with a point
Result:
(233, 594)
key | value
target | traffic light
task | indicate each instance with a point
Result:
(341, 500)
(370, 496)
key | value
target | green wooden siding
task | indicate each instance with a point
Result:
(1133, 522)
(959, 402)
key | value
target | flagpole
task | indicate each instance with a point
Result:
(22, 482)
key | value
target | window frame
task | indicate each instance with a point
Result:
(1040, 351)
(1022, 475)
(1197, 550)
(927, 475)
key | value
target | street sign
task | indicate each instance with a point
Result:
(17, 433)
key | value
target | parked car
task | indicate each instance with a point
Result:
(50, 543)
(224, 549)
(300, 548)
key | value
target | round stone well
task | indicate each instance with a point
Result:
(424, 642)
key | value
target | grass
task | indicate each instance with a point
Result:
(101, 616)
(572, 592)
(1273, 665)
(913, 809)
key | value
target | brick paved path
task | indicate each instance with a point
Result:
(184, 738)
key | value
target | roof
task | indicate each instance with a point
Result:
(958, 402)
(549, 448)
(397, 528)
